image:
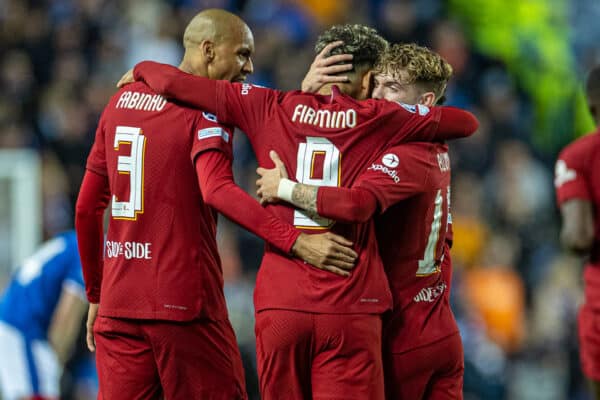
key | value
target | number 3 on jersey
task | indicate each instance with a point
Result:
(318, 163)
(132, 165)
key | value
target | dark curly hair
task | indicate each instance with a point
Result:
(364, 43)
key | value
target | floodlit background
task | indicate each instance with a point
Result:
(519, 65)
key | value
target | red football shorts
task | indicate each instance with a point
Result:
(430, 372)
(139, 359)
(303, 355)
(589, 342)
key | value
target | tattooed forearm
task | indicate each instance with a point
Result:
(305, 197)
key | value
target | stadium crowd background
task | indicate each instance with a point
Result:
(518, 65)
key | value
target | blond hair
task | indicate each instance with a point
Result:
(422, 65)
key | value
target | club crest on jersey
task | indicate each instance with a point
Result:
(210, 117)
(213, 132)
(390, 160)
(562, 174)
(443, 162)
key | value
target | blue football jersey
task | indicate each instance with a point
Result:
(33, 292)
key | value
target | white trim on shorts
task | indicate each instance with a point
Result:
(15, 377)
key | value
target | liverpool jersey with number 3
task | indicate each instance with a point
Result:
(161, 259)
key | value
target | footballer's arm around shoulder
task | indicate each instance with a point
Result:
(353, 205)
(577, 232)
(219, 190)
(350, 205)
(171, 82)
(456, 123)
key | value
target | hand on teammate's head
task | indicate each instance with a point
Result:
(127, 78)
(327, 68)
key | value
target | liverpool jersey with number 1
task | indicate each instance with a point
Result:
(412, 185)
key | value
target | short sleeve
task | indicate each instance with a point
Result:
(570, 174)
(397, 174)
(209, 134)
(96, 161)
(244, 105)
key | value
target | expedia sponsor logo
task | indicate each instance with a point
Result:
(390, 160)
(388, 171)
(429, 294)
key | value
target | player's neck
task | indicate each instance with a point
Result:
(190, 68)
(325, 89)
(344, 88)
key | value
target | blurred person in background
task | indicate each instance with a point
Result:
(161, 234)
(41, 312)
(409, 186)
(578, 196)
(303, 340)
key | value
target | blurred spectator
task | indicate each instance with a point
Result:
(495, 294)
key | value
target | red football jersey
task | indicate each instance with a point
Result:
(322, 140)
(161, 259)
(577, 176)
(331, 154)
(412, 185)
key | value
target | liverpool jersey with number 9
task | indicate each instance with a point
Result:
(322, 140)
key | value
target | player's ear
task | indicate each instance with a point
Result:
(427, 99)
(207, 48)
(367, 85)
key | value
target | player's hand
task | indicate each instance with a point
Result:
(268, 183)
(126, 79)
(326, 251)
(89, 326)
(324, 68)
